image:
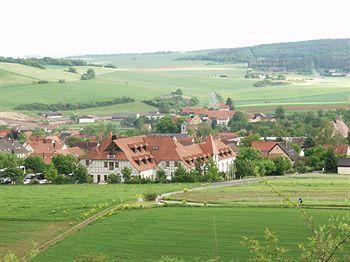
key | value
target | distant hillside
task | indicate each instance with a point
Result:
(323, 55)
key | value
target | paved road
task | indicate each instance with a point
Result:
(225, 184)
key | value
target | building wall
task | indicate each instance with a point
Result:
(276, 152)
(224, 164)
(169, 167)
(86, 120)
(344, 170)
(99, 171)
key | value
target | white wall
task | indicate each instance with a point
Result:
(344, 170)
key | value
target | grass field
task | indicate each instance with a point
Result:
(34, 214)
(184, 232)
(320, 190)
(146, 76)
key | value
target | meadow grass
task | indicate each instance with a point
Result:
(189, 233)
(314, 189)
(37, 213)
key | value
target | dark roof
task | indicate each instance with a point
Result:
(12, 146)
(85, 145)
(290, 152)
(344, 162)
(51, 114)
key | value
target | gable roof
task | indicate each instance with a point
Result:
(344, 162)
(145, 152)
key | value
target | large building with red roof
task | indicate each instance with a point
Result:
(144, 155)
(221, 116)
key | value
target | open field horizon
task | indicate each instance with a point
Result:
(147, 76)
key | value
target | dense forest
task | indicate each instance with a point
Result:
(304, 56)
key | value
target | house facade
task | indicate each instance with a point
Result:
(272, 150)
(344, 166)
(144, 155)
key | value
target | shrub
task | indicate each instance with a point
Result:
(150, 196)
(114, 179)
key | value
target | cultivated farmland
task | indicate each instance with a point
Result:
(146, 76)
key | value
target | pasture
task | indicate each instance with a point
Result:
(315, 190)
(146, 76)
(35, 214)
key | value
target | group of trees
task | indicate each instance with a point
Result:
(62, 169)
(249, 162)
(90, 74)
(40, 62)
(172, 102)
(72, 106)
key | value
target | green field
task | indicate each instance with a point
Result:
(34, 214)
(189, 233)
(315, 190)
(146, 76)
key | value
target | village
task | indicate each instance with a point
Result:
(165, 148)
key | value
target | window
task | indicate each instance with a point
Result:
(176, 163)
(87, 162)
(167, 163)
(111, 165)
(105, 178)
(105, 164)
(116, 164)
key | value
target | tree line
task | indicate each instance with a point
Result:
(72, 106)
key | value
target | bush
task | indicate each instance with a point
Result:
(43, 82)
(150, 196)
(114, 179)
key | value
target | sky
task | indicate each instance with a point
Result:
(76, 27)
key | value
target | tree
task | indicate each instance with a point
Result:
(282, 165)
(330, 161)
(81, 174)
(230, 103)
(126, 173)
(35, 163)
(348, 138)
(308, 142)
(247, 141)
(161, 176)
(165, 125)
(266, 167)
(64, 164)
(203, 129)
(51, 173)
(71, 140)
(238, 122)
(14, 173)
(279, 113)
(72, 70)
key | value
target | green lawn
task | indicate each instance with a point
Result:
(320, 190)
(37, 213)
(188, 233)
(146, 76)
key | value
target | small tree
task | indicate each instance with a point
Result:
(126, 172)
(330, 161)
(230, 103)
(64, 164)
(81, 174)
(51, 173)
(279, 113)
(161, 176)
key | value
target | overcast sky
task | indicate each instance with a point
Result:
(69, 27)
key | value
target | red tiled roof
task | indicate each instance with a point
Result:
(340, 149)
(264, 145)
(145, 152)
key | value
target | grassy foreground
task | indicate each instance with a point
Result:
(35, 214)
(184, 232)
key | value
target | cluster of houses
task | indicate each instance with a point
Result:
(147, 154)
